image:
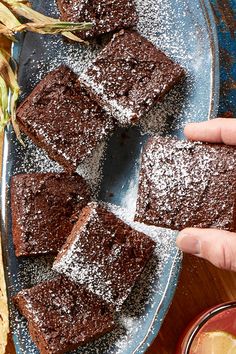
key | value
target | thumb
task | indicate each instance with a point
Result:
(216, 246)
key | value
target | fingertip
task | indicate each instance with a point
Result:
(179, 239)
(197, 131)
(189, 130)
(218, 130)
(215, 245)
(188, 243)
(183, 233)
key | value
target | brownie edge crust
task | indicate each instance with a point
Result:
(187, 184)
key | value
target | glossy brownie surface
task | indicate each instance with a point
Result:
(105, 15)
(104, 254)
(130, 75)
(60, 117)
(187, 184)
(62, 316)
(42, 208)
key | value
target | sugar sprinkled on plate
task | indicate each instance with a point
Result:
(132, 315)
(155, 22)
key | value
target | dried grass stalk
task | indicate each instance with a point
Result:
(41, 23)
(9, 94)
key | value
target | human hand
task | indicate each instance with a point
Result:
(217, 246)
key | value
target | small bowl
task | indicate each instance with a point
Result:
(219, 318)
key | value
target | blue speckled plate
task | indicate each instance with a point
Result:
(185, 29)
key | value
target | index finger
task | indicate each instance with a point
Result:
(219, 130)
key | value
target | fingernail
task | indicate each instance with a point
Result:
(189, 244)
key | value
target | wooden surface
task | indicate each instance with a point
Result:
(201, 285)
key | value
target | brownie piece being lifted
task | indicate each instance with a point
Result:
(105, 15)
(42, 208)
(61, 118)
(187, 184)
(104, 254)
(129, 76)
(62, 316)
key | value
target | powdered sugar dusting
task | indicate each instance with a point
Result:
(98, 256)
(165, 25)
(174, 30)
(129, 76)
(133, 314)
(191, 182)
(123, 114)
(106, 16)
(163, 22)
(33, 159)
(91, 168)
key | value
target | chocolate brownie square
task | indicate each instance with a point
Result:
(63, 316)
(105, 15)
(61, 118)
(104, 254)
(129, 76)
(187, 184)
(42, 209)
